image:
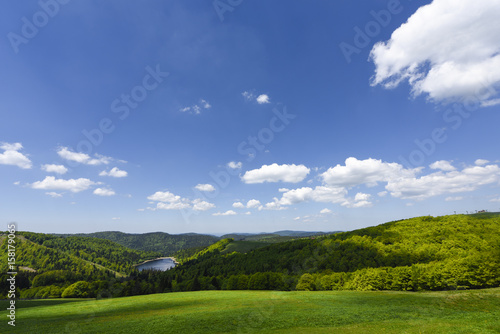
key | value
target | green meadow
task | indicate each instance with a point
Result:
(476, 311)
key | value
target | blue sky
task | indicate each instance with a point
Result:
(246, 116)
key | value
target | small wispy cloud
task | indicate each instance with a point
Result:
(196, 109)
(235, 165)
(104, 192)
(114, 172)
(450, 199)
(260, 99)
(53, 194)
(227, 213)
(248, 96)
(66, 154)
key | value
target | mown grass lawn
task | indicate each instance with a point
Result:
(265, 312)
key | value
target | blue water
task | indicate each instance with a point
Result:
(160, 264)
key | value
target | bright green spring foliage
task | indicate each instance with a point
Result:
(424, 253)
(216, 248)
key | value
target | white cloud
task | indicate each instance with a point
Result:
(115, 218)
(274, 205)
(276, 173)
(205, 187)
(448, 50)
(235, 165)
(481, 162)
(164, 196)
(495, 200)
(262, 99)
(200, 205)
(205, 104)
(172, 205)
(11, 147)
(296, 218)
(12, 156)
(114, 172)
(227, 213)
(169, 201)
(73, 185)
(253, 203)
(439, 183)
(398, 181)
(450, 199)
(83, 158)
(360, 204)
(248, 96)
(362, 197)
(197, 108)
(238, 205)
(442, 165)
(325, 211)
(361, 200)
(104, 192)
(369, 172)
(53, 194)
(322, 194)
(59, 169)
(17, 183)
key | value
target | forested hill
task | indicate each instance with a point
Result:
(424, 253)
(44, 252)
(47, 265)
(164, 243)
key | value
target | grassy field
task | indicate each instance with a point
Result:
(265, 312)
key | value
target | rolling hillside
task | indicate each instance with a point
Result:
(424, 253)
(471, 312)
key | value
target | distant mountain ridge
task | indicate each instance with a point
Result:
(169, 244)
(161, 242)
(278, 236)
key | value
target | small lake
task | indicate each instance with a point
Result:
(159, 264)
